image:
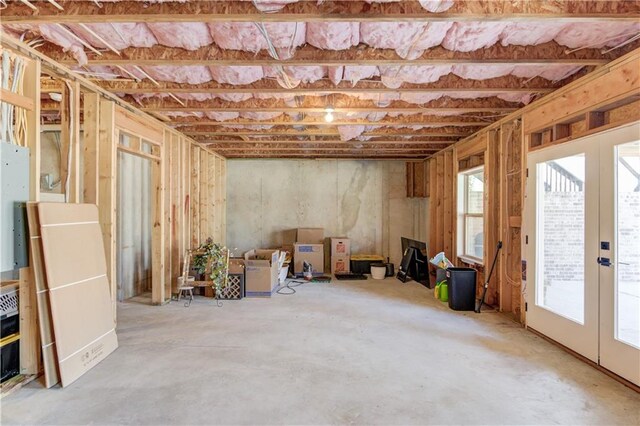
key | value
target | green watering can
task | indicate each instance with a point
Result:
(442, 291)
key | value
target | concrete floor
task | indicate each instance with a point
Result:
(342, 353)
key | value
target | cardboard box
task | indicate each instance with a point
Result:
(310, 236)
(236, 265)
(289, 237)
(340, 264)
(340, 247)
(261, 272)
(312, 253)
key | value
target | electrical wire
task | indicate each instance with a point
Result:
(290, 289)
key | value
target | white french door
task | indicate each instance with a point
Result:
(583, 249)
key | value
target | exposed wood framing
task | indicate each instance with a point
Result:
(447, 83)
(341, 104)
(347, 11)
(607, 98)
(107, 173)
(307, 55)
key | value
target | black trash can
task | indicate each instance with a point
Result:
(462, 288)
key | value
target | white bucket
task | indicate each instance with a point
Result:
(378, 272)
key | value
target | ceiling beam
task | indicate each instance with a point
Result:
(321, 123)
(447, 83)
(383, 139)
(370, 143)
(340, 103)
(346, 11)
(544, 54)
(278, 131)
(315, 148)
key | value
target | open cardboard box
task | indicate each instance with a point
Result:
(261, 272)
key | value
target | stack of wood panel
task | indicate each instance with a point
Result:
(77, 326)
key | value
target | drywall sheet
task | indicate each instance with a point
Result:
(76, 271)
(47, 339)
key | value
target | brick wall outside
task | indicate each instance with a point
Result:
(564, 235)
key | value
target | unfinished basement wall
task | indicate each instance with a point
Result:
(607, 98)
(363, 200)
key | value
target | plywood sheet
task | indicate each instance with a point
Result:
(76, 271)
(47, 338)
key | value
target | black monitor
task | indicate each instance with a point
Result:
(414, 263)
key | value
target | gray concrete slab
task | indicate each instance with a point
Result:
(374, 352)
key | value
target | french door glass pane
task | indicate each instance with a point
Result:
(628, 243)
(561, 236)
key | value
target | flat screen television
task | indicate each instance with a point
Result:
(414, 264)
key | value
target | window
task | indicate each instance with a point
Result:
(471, 214)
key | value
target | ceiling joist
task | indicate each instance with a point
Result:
(307, 55)
(333, 11)
(447, 83)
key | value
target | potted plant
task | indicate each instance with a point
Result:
(211, 261)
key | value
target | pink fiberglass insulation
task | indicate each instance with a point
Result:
(118, 35)
(530, 33)
(355, 73)
(190, 36)
(469, 36)
(284, 36)
(419, 98)
(236, 74)
(260, 115)
(307, 74)
(333, 35)
(56, 35)
(350, 132)
(597, 34)
(248, 127)
(393, 76)
(271, 5)
(235, 97)
(335, 74)
(549, 72)
(221, 116)
(380, 99)
(191, 74)
(409, 39)
(482, 72)
(436, 6)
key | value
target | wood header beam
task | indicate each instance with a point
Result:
(334, 11)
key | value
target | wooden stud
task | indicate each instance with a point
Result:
(195, 195)
(157, 234)
(91, 150)
(30, 354)
(107, 190)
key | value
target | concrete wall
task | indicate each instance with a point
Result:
(363, 200)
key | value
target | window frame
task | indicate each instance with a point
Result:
(464, 215)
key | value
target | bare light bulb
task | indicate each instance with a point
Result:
(328, 117)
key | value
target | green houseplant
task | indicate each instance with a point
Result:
(211, 260)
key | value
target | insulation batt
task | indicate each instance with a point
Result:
(190, 36)
(470, 36)
(409, 39)
(284, 36)
(530, 33)
(333, 35)
(236, 74)
(55, 35)
(597, 34)
(393, 76)
(118, 35)
(192, 74)
(348, 133)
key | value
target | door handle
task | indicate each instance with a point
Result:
(604, 261)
